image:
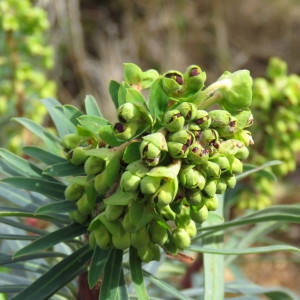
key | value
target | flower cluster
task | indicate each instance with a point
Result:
(276, 102)
(154, 175)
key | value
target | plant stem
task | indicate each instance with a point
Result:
(214, 263)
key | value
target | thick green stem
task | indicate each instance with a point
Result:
(214, 263)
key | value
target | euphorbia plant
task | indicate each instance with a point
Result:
(125, 194)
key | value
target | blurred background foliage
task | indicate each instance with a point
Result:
(82, 45)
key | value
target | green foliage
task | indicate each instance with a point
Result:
(145, 189)
(24, 62)
(276, 109)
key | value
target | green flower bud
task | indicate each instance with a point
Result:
(211, 203)
(145, 254)
(140, 238)
(222, 161)
(230, 147)
(197, 155)
(74, 191)
(177, 150)
(276, 68)
(181, 238)
(92, 240)
(151, 148)
(236, 166)
(149, 185)
(129, 182)
(244, 136)
(201, 121)
(220, 118)
(77, 217)
(103, 237)
(128, 112)
(244, 118)
(188, 110)
(137, 168)
(242, 153)
(84, 206)
(212, 169)
(230, 181)
(199, 214)
(184, 137)
(166, 192)
(191, 229)
(194, 79)
(101, 185)
(194, 197)
(77, 156)
(158, 233)
(71, 141)
(125, 131)
(210, 188)
(149, 253)
(167, 213)
(221, 186)
(172, 83)
(94, 165)
(262, 96)
(134, 216)
(209, 137)
(191, 178)
(121, 241)
(235, 90)
(184, 217)
(173, 120)
(169, 246)
(113, 212)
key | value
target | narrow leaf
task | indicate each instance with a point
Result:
(166, 287)
(53, 238)
(49, 139)
(122, 290)
(251, 250)
(43, 155)
(91, 106)
(57, 207)
(98, 262)
(112, 271)
(63, 125)
(18, 237)
(63, 169)
(137, 274)
(114, 91)
(62, 273)
(20, 165)
(45, 187)
(71, 112)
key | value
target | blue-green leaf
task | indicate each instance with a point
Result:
(63, 125)
(71, 112)
(63, 169)
(49, 188)
(62, 273)
(21, 166)
(53, 238)
(98, 262)
(43, 155)
(112, 270)
(114, 91)
(57, 207)
(91, 106)
(137, 274)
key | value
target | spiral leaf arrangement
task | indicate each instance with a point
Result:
(153, 176)
(276, 107)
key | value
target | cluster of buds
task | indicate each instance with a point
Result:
(149, 180)
(276, 106)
